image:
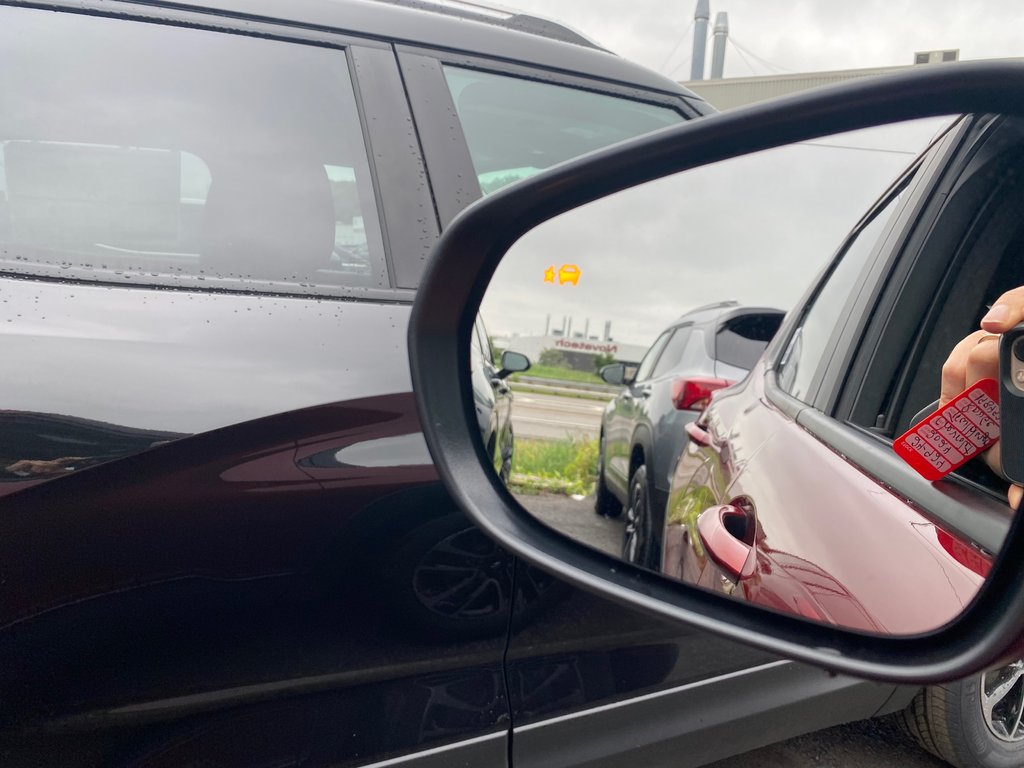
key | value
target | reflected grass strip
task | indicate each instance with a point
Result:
(566, 466)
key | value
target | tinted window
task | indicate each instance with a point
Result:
(809, 344)
(647, 364)
(169, 154)
(517, 127)
(740, 341)
(673, 352)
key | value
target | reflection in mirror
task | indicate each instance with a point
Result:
(661, 424)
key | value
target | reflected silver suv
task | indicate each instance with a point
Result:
(643, 428)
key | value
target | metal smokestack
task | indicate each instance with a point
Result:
(568, 331)
(547, 326)
(718, 51)
(586, 329)
(700, 36)
(608, 330)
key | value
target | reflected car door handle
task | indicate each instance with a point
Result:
(718, 528)
(643, 391)
(697, 433)
(499, 385)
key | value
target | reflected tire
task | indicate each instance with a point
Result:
(505, 469)
(637, 536)
(446, 578)
(605, 503)
(972, 723)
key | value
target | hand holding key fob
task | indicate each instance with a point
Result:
(1011, 401)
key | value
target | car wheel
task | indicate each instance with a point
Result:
(505, 467)
(448, 578)
(973, 723)
(636, 540)
(605, 503)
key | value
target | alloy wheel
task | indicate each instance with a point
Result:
(1002, 701)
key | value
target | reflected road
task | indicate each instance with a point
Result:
(553, 417)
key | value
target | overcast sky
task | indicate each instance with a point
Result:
(765, 226)
(755, 229)
(795, 35)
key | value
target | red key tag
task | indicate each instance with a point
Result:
(957, 432)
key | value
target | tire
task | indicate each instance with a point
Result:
(637, 539)
(505, 469)
(447, 579)
(949, 720)
(605, 503)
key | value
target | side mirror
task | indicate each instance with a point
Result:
(922, 581)
(513, 362)
(614, 374)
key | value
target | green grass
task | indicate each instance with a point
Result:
(563, 374)
(566, 466)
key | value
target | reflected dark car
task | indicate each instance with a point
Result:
(769, 495)
(222, 541)
(492, 397)
(642, 429)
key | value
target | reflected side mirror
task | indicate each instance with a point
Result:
(512, 362)
(614, 374)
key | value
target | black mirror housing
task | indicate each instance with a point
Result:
(513, 362)
(614, 374)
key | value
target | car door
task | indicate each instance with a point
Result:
(624, 414)
(781, 507)
(222, 537)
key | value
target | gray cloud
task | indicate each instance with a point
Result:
(756, 229)
(803, 36)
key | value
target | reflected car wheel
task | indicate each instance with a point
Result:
(973, 723)
(605, 503)
(505, 465)
(448, 578)
(636, 542)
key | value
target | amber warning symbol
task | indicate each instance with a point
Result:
(566, 274)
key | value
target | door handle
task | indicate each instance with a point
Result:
(697, 433)
(643, 391)
(727, 535)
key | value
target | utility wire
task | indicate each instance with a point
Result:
(678, 45)
(765, 62)
(683, 63)
(861, 149)
(743, 56)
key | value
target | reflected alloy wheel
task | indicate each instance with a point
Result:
(1002, 702)
(464, 576)
(446, 578)
(505, 466)
(638, 519)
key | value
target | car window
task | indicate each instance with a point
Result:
(483, 344)
(647, 364)
(741, 340)
(809, 344)
(517, 127)
(155, 167)
(673, 352)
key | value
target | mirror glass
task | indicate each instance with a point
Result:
(680, 336)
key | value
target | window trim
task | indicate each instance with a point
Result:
(445, 148)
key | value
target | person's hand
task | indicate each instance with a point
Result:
(976, 357)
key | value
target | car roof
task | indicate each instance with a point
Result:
(472, 28)
(720, 312)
